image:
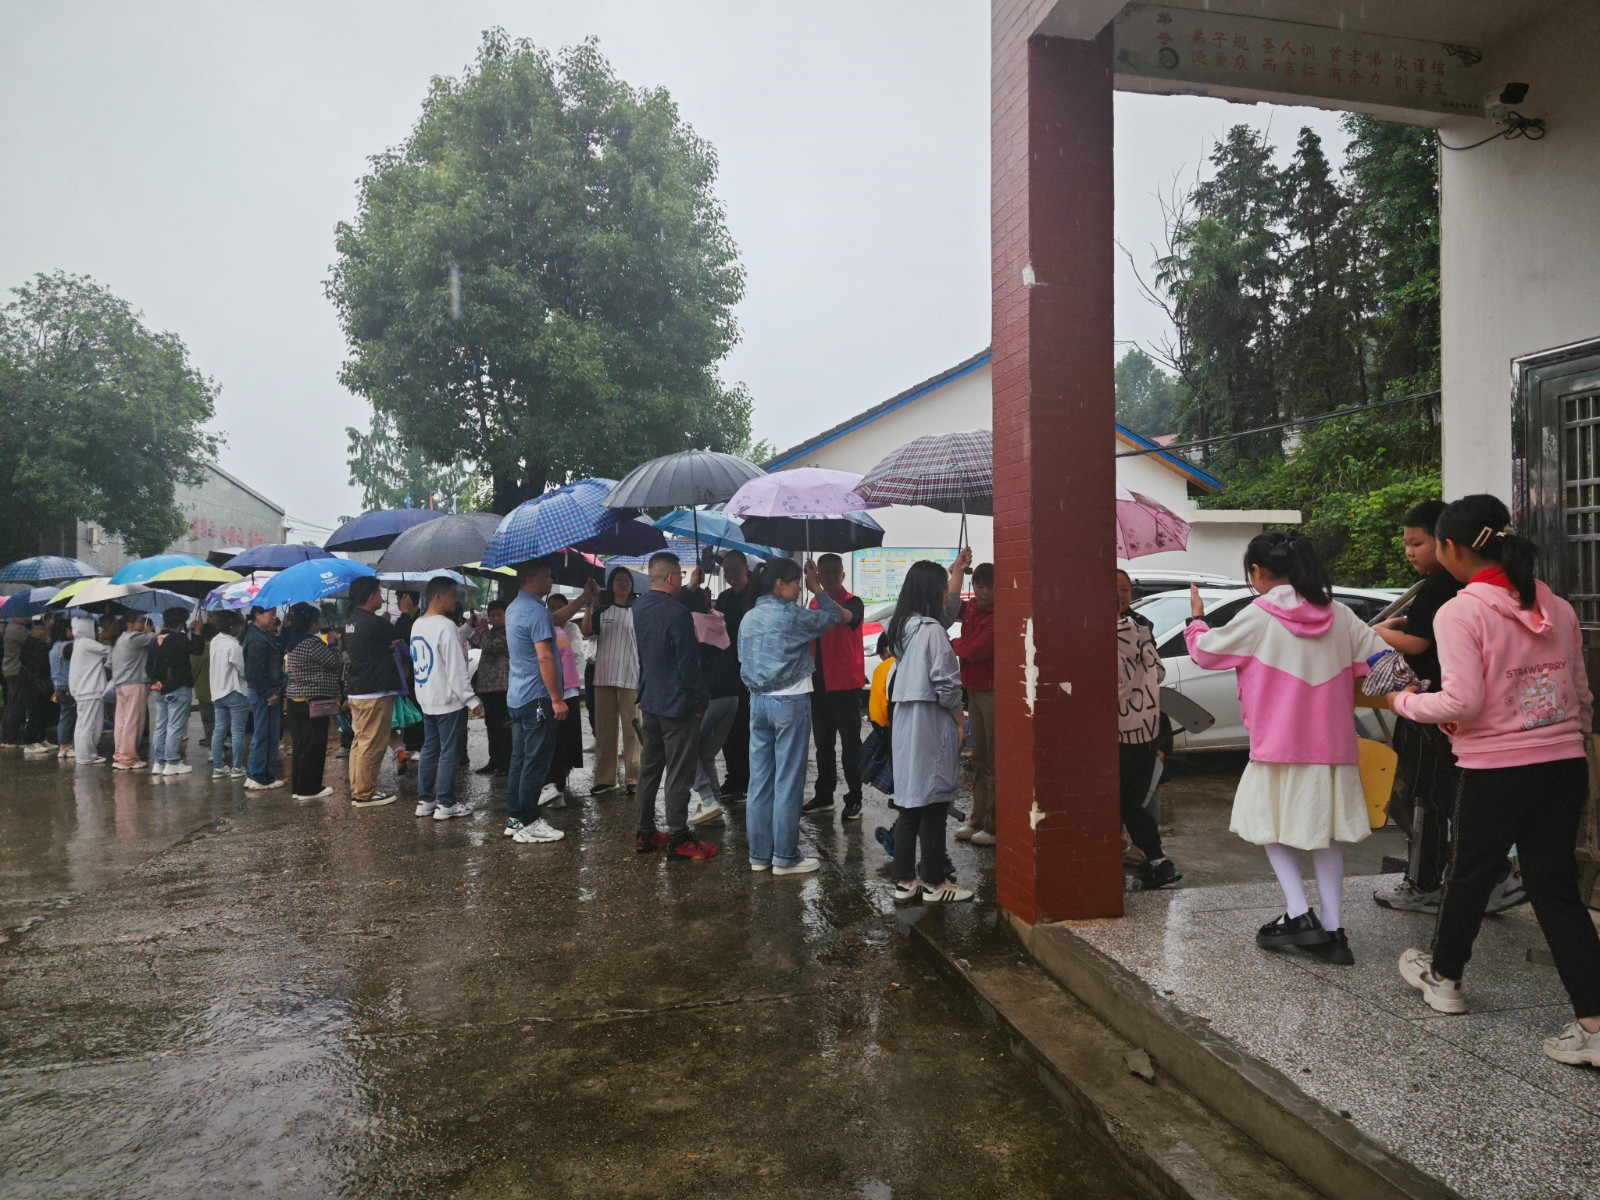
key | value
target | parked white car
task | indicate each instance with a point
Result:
(1218, 691)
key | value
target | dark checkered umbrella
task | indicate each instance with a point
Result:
(952, 472)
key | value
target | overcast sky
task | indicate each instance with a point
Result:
(195, 157)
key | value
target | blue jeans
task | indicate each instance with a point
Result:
(780, 744)
(230, 712)
(268, 716)
(441, 755)
(533, 744)
(68, 718)
(172, 724)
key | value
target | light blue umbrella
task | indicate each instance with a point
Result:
(308, 582)
(712, 528)
(140, 570)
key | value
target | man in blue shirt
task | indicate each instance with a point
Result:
(533, 696)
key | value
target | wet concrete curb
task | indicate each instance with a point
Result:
(1311, 1140)
(1158, 1134)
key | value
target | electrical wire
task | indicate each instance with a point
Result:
(1298, 421)
(1518, 126)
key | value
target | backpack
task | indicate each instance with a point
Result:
(877, 751)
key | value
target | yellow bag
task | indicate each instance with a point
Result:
(878, 699)
(1377, 764)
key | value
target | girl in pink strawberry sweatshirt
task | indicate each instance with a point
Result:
(1517, 707)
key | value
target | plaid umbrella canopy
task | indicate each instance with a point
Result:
(952, 472)
(47, 569)
(554, 521)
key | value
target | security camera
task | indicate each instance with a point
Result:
(1499, 102)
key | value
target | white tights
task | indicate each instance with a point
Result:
(1328, 865)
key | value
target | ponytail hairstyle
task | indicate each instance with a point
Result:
(922, 594)
(773, 572)
(1481, 524)
(1291, 556)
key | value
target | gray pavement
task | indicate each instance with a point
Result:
(208, 992)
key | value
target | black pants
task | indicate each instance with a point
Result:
(925, 825)
(667, 750)
(1426, 780)
(569, 746)
(1536, 808)
(497, 724)
(308, 749)
(736, 750)
(1137, 762)
(837, 715)
(19, 707)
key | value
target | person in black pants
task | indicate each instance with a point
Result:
(313, 671)
(1139, 676)
(411, 735)
(490, 682)
(672, 695)
(733, 602)
(837, 684)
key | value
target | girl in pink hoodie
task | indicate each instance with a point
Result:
(1298, 655)
(1517, 707)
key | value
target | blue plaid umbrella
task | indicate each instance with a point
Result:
(142, 569)
(47, 569)
(554, 521)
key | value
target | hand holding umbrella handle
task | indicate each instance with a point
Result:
(963, 563)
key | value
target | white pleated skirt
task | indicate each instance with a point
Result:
(1304, 805)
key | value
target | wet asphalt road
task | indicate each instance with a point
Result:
(208, 992)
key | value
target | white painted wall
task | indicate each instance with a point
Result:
(1216, 543)
(1520, 242)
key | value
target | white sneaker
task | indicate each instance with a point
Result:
(804, 867)
(138, 766)
(945, 893)
(512, 825)
(538, 831)
(705, 811)
(550, 796)
(157, 769)
(425, 808)
(322, 795)
(964, 833)
(376, 800)
(445, 811)
(1574, 1045)
(69, 752)
(906, 893)
(276, 783)
(99, 760)
(179, 769)
(982, 838)
(223, 773)
(760, 866)
(240, 773)
(1442, 995)
(250, 785)
(38, 750)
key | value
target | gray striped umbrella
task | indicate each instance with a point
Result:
(952, 472)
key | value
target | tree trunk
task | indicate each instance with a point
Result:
(511, 490)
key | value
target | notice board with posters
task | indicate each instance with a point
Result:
(877, 574)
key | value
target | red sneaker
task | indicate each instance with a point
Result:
(692, 847)
(644, 845)
(401, 761)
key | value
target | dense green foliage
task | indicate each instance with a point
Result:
(1294, 292)
(392, 474)
(539, 281)
(102, 418)
(1148, 398)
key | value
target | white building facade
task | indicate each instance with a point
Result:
(960, 398)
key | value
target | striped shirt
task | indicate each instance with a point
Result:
(616, 656)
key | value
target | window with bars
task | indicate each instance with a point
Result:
(1580, 501)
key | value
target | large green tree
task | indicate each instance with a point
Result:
(102, 418)
(540, 279)
(1149, 399)
(393, 474)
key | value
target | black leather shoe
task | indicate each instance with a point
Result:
(1158, 876)
(1304, 930)
(1335, 950)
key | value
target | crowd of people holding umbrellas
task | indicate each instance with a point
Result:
(673, 676)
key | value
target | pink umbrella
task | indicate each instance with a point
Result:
(802, 492)
(1146, 526)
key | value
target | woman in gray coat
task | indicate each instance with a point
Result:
(926, 722)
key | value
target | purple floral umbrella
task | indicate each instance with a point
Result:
(1146, 526)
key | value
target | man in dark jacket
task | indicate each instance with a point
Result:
(171, 675)
(672, 695)
(733, 602)
(263, 684)
(372, 681)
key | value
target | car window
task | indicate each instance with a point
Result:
(1216, 619)
(1164, 610)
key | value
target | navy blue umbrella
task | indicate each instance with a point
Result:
(27, 604)
(837, 535)
(375, 530)
(273, 556)
(628, 538)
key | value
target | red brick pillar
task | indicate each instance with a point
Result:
(1059, 851)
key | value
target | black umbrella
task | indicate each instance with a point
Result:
(448, 542)
(681, 480)
(836, 535)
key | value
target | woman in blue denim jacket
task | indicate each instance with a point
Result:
(775, 661)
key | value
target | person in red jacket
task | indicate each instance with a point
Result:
(975, 648)
(837, 684)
